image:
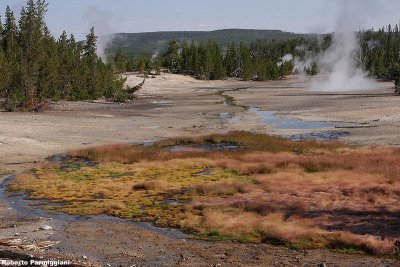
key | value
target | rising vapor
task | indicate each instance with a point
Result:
(339, 64)
(104, 25)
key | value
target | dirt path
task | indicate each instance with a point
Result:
(172, 105)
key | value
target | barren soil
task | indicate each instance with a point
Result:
(172, 105)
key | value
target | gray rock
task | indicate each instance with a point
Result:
(45, 228)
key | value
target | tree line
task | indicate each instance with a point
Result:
(261, 60)
(35, 66)
(379, 56)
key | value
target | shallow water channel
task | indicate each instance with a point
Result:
(279, 123)
(271, 118)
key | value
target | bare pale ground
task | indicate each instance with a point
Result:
(173, 105)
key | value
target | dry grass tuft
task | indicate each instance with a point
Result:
(151, 185)
(219, 188)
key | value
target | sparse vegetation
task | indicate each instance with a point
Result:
(299, 194)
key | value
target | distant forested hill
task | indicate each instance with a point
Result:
(151, 43)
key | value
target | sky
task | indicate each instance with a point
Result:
(305, 16)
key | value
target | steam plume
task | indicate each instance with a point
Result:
(102, 20)
(340, 63)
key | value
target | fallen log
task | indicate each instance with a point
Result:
(134, 89)
(25, 245)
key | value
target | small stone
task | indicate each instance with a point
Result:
(323, 265)
(45, 228)
(84, 257)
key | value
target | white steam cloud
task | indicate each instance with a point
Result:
(104, 23)
(339, 63)
(287, 57)
(301, 64)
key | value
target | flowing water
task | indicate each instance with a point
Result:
(270, 118)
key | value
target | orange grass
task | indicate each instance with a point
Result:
(301, 194)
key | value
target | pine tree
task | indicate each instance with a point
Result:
(184, 58)
(263, 71)
(172, 55)
(231, 60)
(1, 34)
(218, 71)
(245, 63)
(5, 78)
(90, 49)
(31, 32)
(143, 65)
(12, 84)
(193, 59)
(9, 36)
(314, 69)
(91, 62)
(78, 71)
(120, 61)
(397, 85)
(64, 58)
(204, 62)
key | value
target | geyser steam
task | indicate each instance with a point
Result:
(339, 64)
(103, 22)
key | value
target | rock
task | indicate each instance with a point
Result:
(84, 257)
(220, 256)
(45, 228)
(322, 265)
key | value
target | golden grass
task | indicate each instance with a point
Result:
(300, 194)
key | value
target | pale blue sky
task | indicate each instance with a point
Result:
(77, 16)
